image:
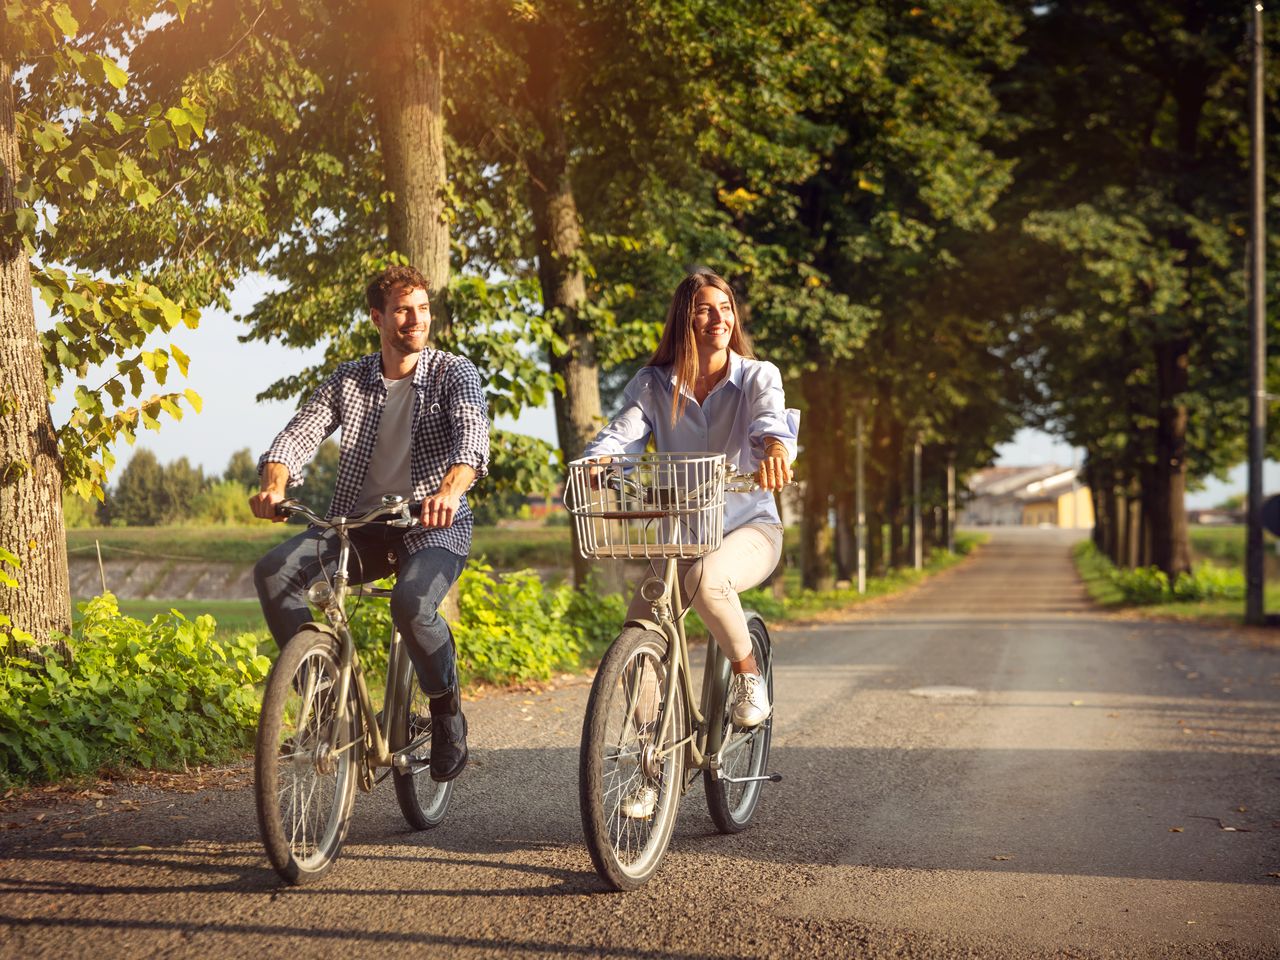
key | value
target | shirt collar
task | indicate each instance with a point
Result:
(373, 370)
(736, 368)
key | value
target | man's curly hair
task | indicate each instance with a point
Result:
(396, 275)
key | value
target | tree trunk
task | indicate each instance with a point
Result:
(875, 544)
(1170, 550)
(895, 505)
(815, 528)
(558, 232)
(409, 100)
(31, 524)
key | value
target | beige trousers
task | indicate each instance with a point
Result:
(746, 556)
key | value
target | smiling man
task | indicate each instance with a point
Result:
(414, 423)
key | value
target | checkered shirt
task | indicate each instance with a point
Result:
(450, 426)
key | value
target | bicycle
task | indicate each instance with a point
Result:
(319, 735)
(643, 728)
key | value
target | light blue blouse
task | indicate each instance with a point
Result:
(740, 413)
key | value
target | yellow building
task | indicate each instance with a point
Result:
(1060, 500)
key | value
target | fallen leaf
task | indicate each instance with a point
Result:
(1175, 829)
(141, 846)
(1274, 874)
(1002, 857)
(1242, 809)
(74, 835)
(39, 817)
(1077, 703)
(1113, 716)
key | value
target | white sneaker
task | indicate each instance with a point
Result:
(750, 700)
(640, 804)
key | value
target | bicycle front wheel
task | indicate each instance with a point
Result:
(303, 788)
(745, 753)
(629, 783)
(422, 801)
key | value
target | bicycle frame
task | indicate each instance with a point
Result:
(704, 746)
(374, 735)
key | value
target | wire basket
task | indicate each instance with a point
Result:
(647, 506)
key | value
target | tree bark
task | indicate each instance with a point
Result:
(31, 524)
(558, 233)
(1170, 550)
(815, 528)
(409, 101)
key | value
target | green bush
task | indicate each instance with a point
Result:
(1142, 585)
(222, 502)
(512, 627)
(157, 694)
(599, 617)
(1210, 582)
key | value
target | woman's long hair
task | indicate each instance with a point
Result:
(677, 348)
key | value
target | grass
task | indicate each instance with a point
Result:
(1224, 545)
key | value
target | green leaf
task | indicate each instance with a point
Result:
(117, 77)
(159, 138)
(65, 21)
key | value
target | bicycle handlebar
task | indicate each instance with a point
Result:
(402, 515)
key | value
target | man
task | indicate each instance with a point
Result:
(414, 423)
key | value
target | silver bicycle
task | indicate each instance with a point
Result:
(646, 734)
(319, 736)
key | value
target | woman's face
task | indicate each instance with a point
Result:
(713, 320)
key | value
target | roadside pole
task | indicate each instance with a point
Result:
(860, 494)
(916, 529)
(951, 503)
(1254, 604)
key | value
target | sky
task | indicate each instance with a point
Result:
(228, 375)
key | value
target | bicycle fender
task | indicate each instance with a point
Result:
(643, 625)
(322, 628)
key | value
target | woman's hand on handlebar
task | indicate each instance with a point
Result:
(595, 474)
(774, 471)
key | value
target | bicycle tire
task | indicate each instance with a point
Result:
(732, 805)
(618, 760)
(304, 795)
(422, 801)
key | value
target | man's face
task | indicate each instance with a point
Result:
(405, 320)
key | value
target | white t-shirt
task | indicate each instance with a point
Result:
(389, 465)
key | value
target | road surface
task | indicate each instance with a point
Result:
(981, 768)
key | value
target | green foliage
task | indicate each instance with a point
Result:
(77, 513)
(1149, 586)
(157, 694)
(511, 627)
(242, 468)
(1142, 585)
(148, 494)
(1207, 581)
(85, 147)
(221, 502)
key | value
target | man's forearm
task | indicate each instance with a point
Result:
(275, 477)
(457, 481)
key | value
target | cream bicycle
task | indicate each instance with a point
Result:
(319, 736)
(646, 735)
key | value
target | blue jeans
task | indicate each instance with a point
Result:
(284, 574)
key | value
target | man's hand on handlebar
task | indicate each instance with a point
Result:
(440, 509)
(263, 505)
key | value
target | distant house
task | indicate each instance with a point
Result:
(1028, 496)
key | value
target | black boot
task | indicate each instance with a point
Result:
(448, 736)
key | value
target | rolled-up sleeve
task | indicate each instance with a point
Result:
(470, 414)
(770, 418)
(629, 430)
(296, 444)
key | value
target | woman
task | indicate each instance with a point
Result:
(703, 391)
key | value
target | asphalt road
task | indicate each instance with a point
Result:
(981, 768)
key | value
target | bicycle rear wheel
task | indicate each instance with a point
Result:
(422, 801)
(629, 785)
(732, 804)
(304, 791)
